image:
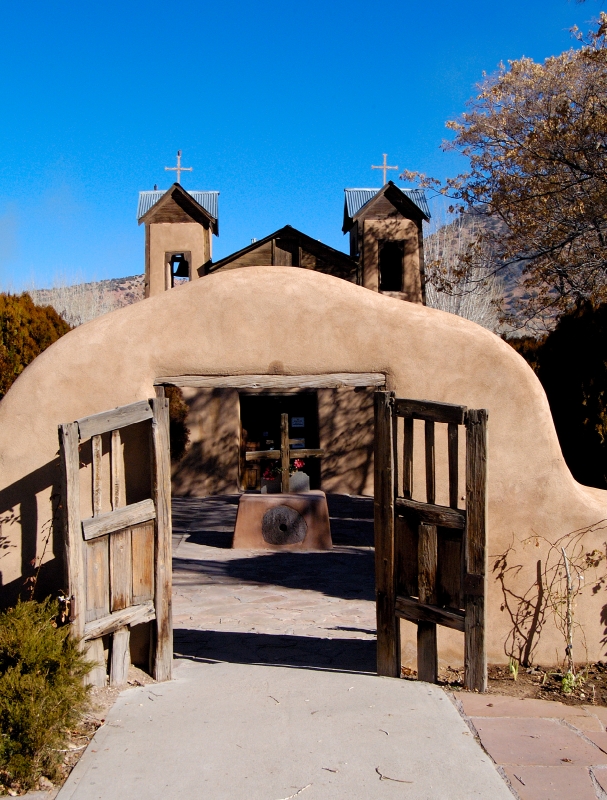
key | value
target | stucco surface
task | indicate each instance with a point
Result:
(234, 322)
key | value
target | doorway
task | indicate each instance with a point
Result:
(260, 430)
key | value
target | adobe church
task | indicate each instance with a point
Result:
(386, 256)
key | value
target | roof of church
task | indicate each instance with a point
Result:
(208, 200)
(357, 198)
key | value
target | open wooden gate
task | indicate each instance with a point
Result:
(118, 561)
(430, 559)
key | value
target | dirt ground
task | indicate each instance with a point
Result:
(537, 682)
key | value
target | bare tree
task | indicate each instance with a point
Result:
(460, 273)
(76, 303)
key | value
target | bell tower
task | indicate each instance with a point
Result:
(178, 235)
(385, 227)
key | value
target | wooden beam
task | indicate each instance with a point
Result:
(161, 494)
(408, 458)
(124, 517)
(134, 615)
(475, 654)
(94, 653)
(443, 516)
(430, 462)
(414, 611)
(453, 457)
(255, 455)
(327, 381)
(431, 411)
(74, 547)
(388, 626)
(112, 420)
(120, 657)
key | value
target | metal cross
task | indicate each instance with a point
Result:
(179, 169)
(384, 167)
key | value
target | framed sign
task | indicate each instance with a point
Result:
(298, 422)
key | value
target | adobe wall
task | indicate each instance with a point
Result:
(233, 323)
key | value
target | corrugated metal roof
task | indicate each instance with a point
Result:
(357, 198)
(208, 200)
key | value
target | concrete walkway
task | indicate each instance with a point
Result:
(242, 732)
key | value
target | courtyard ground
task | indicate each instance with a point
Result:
(274, 693)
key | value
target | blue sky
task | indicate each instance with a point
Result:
(278, 105)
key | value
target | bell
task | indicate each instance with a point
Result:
(183, 268)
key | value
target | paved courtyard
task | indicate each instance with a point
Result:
(306, 609)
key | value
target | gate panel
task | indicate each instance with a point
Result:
(430, 558)
(119, 562)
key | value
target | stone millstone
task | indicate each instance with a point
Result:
(283, 525)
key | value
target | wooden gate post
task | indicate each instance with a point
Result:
(161, 495)
(74, 546)
(388, 625)
(475, 655)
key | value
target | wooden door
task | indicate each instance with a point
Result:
(118, 559)
(430, 559)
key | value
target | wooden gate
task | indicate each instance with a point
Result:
(118, 561)
(430, 559)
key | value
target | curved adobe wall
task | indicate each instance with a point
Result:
(232, 323)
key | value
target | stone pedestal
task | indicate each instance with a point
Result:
(283, 522)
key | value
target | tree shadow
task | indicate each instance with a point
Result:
(307, 652)
(348, 575)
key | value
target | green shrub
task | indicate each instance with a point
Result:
(41, 692)
(25, 331)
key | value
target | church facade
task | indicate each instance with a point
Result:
(385, 256)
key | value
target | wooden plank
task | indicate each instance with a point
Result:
(327, 381)
(74, 546)
(427, 647)
(116, 469)
(124, 517)
(475, 656)
(112, 420)
(431, 411)
(120, 659)
(284, 453)
(161, 494)
(142, 543)
(255, 455)
(453, 458)
(430, 462)
(134, 615)
(443, 516)
(388, 627)
(408, 459)
(97, 579)
(412, 610)
(96, 469)
(121, 570)
(94, 652)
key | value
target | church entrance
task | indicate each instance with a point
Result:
(260, 418)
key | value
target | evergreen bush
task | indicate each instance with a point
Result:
(25, 331)
(42, 694)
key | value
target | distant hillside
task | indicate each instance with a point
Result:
(82, 302)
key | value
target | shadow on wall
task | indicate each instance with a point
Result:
(210, 464)
(545, 602)
(345, 419)
(41, 559)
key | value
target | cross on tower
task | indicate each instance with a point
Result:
(384, 167)
(285, 454)
(179, 169)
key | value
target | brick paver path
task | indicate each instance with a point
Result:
(548, 750)
(306, 609)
